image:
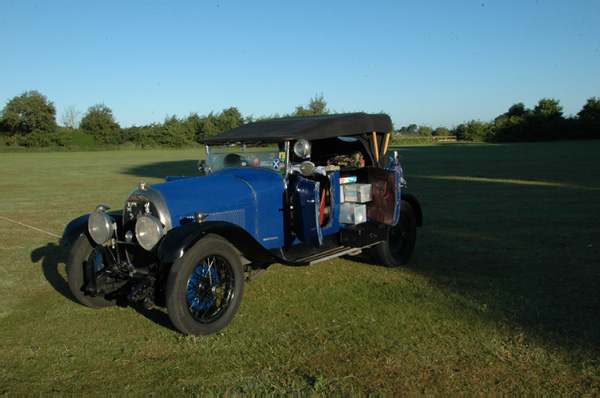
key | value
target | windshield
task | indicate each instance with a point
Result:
(264, 155)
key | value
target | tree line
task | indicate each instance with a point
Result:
(29, 120)
(545, 122)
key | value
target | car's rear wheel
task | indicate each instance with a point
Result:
(205, 287)
(84, 259)
(397, 249)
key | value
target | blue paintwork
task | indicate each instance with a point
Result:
(249, 197)
(398, 199)
(397, 167)
(306, 211)
(175, 178)
(179, 240)
(333, 226)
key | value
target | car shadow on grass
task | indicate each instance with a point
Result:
(53, 258)
(557, 304)
(511, 259)
(156, 315)
(162, 169)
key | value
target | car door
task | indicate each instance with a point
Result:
(306, 211)
(385, 206)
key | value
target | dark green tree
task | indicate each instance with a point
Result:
(517, 110)
(547, 122)
(591, 110)
(424, 131)
(549, 108)
(316, 106)
(211, 124)
(587, 125)
(512, 125)
(208, 126)
(229, 119)
(100, 123)
(475, 130)
(193, 124)
(144, 136)
(30, 120)
(173, 133)
(441, 132)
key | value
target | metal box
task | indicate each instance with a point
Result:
(352, 213)
(358, 193)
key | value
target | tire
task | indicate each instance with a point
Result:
(82, 254)
(397, 249)
(205, 287)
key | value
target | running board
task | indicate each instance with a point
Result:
(337, 252)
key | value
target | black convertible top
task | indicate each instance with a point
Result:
(307, 127)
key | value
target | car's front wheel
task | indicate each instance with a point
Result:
(397, 249)
(205, 287)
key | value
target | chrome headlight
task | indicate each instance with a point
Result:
(101, 227)
(149, 231)
(302, 148)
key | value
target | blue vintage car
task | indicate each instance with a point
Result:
(293, 191)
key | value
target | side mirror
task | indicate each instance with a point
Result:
(307, 168)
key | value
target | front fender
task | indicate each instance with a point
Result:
(79, 226)
(74, 229)
(180, 239)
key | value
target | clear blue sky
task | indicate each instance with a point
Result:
(424, 62)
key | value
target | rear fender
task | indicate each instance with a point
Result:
(414, 203)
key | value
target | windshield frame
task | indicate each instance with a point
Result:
(213, 165)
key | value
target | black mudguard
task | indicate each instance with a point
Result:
(414, 203)
(180, 239)
(74, 229)
(79, 226)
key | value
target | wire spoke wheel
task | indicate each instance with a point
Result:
(205, 287)
(210, 289)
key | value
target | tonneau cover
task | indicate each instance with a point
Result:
(307, 127)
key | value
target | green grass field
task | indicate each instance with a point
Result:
(502, 294)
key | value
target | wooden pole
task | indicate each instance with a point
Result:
(376, 148)
(385, 145)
